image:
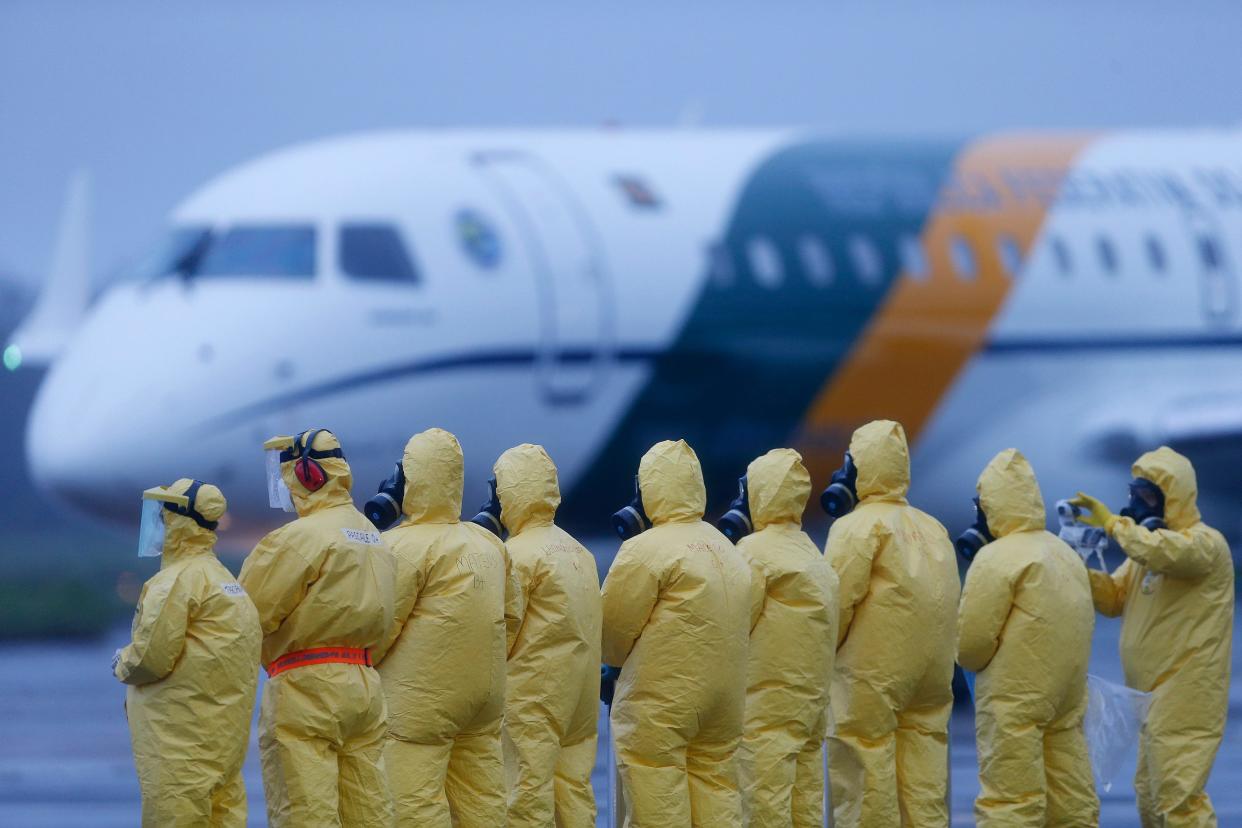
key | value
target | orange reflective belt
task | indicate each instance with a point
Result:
(319, 655)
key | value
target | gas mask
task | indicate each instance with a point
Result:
(1146, 506)
(976, 537)
(631, 520)
(489, 513)
(841, 496)
(384, 509)
(735, 524)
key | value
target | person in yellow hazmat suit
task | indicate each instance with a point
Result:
(323, 585)
(443, 664)
(676, 621)
(1025, 628)
(793, 639)
(892, 681)
(552, 692)
(191, 667)
(1174, 593)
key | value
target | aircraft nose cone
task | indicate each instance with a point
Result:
(69, 451)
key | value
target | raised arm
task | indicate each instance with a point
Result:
(1187, 554)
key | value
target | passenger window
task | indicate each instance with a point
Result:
(1010, 255)
(867, 261)
(913, 259)
(1155, 255)
(963, 256)
(374, 252)
(1061, 255)
(280, 250)
(765, 261)
(1108, 255)
(816, 261)
(1209, 252)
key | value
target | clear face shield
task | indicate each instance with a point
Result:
(278, 496)
(151, 529)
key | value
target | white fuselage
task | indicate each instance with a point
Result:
(556, 271)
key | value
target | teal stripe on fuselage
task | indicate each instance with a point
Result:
(751, 358)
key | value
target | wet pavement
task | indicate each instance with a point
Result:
(65, 756)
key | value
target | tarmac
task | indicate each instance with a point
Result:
(65, 753)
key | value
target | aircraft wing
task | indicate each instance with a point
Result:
(1204, 426)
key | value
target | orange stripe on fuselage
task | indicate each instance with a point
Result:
(927, 329)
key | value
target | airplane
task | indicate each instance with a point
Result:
(1072, 294)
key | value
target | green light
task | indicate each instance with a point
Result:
(12, 357)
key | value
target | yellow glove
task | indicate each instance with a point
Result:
(1095, 513)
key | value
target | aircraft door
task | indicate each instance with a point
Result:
(1215, 268)
(571, 280)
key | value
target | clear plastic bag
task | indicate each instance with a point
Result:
(1115, 715)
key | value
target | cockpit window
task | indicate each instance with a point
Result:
(374, 252)
(281, 250)
(177, 253)
(194, 252)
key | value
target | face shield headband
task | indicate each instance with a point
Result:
(189, 510)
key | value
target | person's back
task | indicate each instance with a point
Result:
(1175, 593)
(443, 667)
(1025, 627)
(552, 686)
(892, 685)
(192, 668)
(676, 613)
(793, 639)
(324, 588)
(1049, 629)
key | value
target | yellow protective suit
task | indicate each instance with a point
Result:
(1025, 627)
(324, 580)
(676, 618)
(192, 668)
(892, 683)
(443, 665)
(1175, 595)
(793, 639)
(552, 687)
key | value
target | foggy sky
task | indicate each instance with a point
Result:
(156, 98)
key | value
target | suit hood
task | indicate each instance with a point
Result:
(340, 479)
(882, 457)
(182, 535)
(527, 486)
(434, 476)
(671, 482)
(1175, 476)
(1009, 495)
(779, 486)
